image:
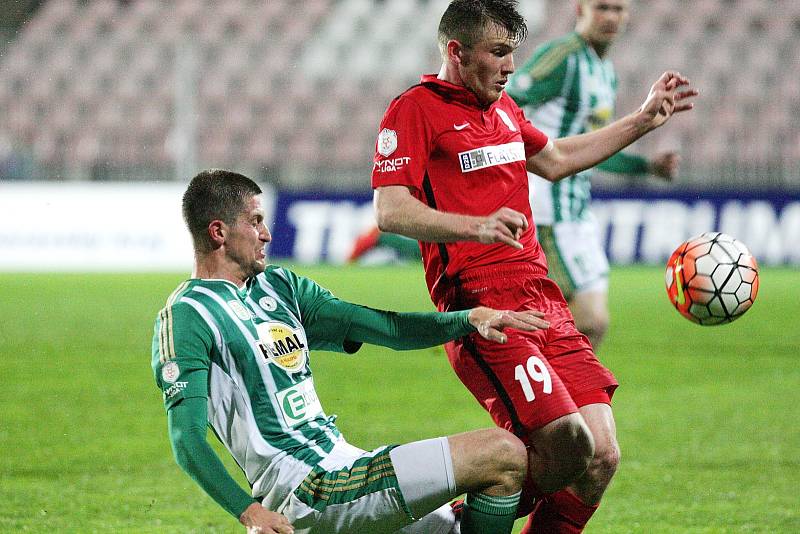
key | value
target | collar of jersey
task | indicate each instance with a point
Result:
(451, 91)
(240, 291)
(589, 48)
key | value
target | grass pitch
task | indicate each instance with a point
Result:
(707, 416)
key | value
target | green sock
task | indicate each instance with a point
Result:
(487, 514)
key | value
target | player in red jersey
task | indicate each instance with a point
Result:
(450, 171)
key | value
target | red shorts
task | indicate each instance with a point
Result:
(535, 377)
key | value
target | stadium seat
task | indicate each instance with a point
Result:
(81, 74)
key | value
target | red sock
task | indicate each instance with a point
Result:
(530, 498)
(559, 513)
(364, 243)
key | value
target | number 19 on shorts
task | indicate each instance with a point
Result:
(534, 369)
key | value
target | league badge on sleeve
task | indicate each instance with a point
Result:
(170, 372)
(387, 142)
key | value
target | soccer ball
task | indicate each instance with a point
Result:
(712, 279)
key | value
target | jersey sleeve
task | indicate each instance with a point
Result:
(624, 163)
(395, 330)
(403, 146)
(182, 345)
(188, 423)
(406, 331)
(541, 79)
(325, 329)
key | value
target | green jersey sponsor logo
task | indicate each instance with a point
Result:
(283, 345)
(299, 403)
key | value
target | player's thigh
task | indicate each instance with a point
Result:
(575, 256)
(440, 521)
(362, 495)
(381, 491)
(600, 419)
(514, 382)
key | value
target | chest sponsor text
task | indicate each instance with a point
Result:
(490, 156)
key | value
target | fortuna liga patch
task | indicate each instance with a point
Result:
(170, 372)
(387, 142)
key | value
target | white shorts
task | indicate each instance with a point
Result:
(576, 258)
(377, 492)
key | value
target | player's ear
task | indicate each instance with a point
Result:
(217, 232)
(455, 51)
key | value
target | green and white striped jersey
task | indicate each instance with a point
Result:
(565, 89)
(247, 351)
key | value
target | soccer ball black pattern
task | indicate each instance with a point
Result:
(712, 279)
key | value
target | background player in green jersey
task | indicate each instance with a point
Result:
(569, 87)
(231, 351)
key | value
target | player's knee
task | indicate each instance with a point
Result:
(593, 484)
(509, 458)
(593, 325)
(604, 464)
(579, 447)
(600, 324)
(565, 454)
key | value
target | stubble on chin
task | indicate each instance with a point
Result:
(257, 268)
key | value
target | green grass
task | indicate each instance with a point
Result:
(707, 417)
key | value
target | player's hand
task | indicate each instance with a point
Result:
(490, 323)
(259, 520)
(667, 96)
(665, 165)
(503, 226)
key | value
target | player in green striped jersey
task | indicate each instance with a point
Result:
(569, 87)
(231, 350)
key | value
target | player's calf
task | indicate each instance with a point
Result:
(492, 461)
(490, 465)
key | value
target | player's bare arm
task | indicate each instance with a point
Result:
(397, 211)
(490, 323)
(570, 155)
(259, 520)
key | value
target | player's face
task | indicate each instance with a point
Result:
(246, 238)
(486, 65)
(601, 21)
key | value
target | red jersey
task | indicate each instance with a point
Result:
(459, 157)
